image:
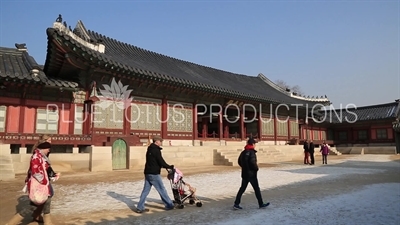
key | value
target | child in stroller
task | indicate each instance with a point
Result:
(182, 190)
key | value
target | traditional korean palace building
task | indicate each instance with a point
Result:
(80, 64)
(97, 91)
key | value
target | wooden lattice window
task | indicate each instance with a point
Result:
(323, 135)
(282, 127)
(108, 115)
(47, 121)
(78, 123)
(362, 135)
(294, 128)
(146, 114)
(316, 134)
(381, 134)
(343, 135)
(3, 116)
(267, 126)
(180, 117)
(308, 134)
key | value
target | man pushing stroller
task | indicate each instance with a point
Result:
(152, 177)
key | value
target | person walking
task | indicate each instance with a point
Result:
(152, 170)
(37, 213)
(248, 162)
(311, 151)
(306, 152)
(39, 165)
(325, 152)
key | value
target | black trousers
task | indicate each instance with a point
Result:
(254, 182)
(312, 158)
(324, 159)
(36, 210)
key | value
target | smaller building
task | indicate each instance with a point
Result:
(368, 126)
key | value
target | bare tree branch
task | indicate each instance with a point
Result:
(284, 85)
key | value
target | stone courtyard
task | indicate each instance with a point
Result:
(351, 189)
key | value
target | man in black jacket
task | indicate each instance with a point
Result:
(152, 170)
(306, 148)
(311, 150)
(248, 161)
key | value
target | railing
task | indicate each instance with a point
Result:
(234, 136)
(17, 138)
(251, 135)
(213, 135)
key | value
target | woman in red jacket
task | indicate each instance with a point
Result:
(39, 166)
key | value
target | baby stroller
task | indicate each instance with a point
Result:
(181, 190)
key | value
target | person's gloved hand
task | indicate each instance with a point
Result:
(56, 177)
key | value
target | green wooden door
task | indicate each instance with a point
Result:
(119, 155)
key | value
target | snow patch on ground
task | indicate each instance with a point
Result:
(379, 203)
(123, 195)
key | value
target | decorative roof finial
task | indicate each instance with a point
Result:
(59, 18)
(21, 47)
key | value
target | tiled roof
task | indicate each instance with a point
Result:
(165, 68)
(18, 66)
(365, 113)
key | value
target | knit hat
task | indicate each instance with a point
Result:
(251, 141)
(44, 145)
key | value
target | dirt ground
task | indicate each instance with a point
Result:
(10, 192)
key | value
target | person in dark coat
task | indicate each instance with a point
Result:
(248, 161)
(152, 170)
(325, 152)
(311, 150)
(306, 152)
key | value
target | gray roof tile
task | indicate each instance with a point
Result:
(155, 65)
(17, 65)
(365, 113)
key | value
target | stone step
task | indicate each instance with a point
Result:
(4, 166)
(5, 160)
(7, 174)
(264, 155)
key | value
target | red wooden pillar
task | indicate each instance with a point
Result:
(259, 126)
(22, 116)
(220, 125)
(241, 124)
(205, 127)
(164, 118)
(301, 129)
(195, 124)
(311, 134)
(226, 128)
(87, 117)
(127, 119)
(72, 120)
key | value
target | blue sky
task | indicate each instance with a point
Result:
(347, 50)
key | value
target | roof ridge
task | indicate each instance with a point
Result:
(10, 50)
(288, 92)
(366, 106)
